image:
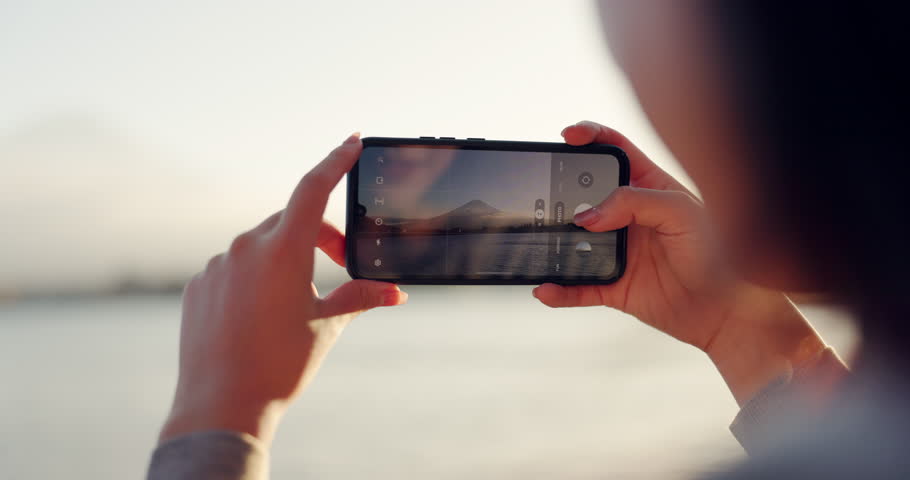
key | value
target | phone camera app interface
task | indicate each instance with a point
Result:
(428, 212)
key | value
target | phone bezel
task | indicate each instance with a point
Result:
(478, 144)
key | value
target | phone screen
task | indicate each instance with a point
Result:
(440, 213)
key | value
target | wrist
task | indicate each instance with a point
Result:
(258, 420)
(764, 338)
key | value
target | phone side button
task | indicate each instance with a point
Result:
(428, 138)
(447, 138)
(476, 138)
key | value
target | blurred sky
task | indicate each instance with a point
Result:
(140, 137)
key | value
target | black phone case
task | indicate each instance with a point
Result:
(483, 144)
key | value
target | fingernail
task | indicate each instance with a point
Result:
(563, 132)
(534, 292)
(586, 217)
(353, 138)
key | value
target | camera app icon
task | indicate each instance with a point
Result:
(585, 179)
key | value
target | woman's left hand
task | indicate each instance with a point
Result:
(254, 330)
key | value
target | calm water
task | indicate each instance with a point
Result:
(475, 382)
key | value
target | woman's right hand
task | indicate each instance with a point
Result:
(676, 282)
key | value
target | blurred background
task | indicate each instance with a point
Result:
(138, 138)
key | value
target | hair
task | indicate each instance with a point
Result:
(822, 88)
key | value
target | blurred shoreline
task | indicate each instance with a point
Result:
(173, 286)
(127, 286)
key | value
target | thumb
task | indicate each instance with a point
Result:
(667, 211)
(360, 295)
(556, 296)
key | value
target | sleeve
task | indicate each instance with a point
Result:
(787, 402)
(210, 455)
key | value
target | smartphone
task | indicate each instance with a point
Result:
(474, 211)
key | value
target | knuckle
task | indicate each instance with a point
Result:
(622, 195)
(192, 285)
(280, 244)
(213, 263)
(269, 223)
(242, 243)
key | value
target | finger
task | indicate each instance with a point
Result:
(307, 203)
(331, 241)
(643, 172)
(558, 296)
(360, 295)
(270, 222)
(668, 212)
